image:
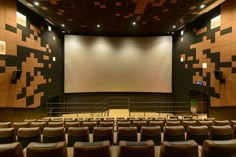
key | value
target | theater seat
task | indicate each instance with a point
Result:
(7, 135)
(151, 133)
(5, 124)
(173, 123)
(174, 133)
(107, 124)
(55, 134)
(11, 150)
(179, 149)
(87, 149)
(189, 123)
(76, 134)
(35, 149)
(222, 122)
(103, 134)
(208, 123)
(221, 133)
(90, 125)
(28, 135)
(71, 124)
(136, 149)
(127, 134)
(226, 148)
(18, 125)
(139, 124)
(157, 123)
(41, 125)
(123, 124)
(55, 124)
(197, 133)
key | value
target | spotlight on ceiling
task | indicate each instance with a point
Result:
(202, 6)
(63, 25)
(134, 23)
(174, 26)
(36, 3)
(98, 26)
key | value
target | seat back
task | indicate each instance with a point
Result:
(18, 125)
(11, 150)
(28, 135)
(103, 134)
(139, 124)
(87, 149)
(222, 122)
(174, 133)
(54, 134)
(7, 135)
(151, 133)
(136, 149)
(35, 149)
(41, 125)
(55, 124)
(197, 133)
(90, 125)
(173, 123)
(221, 132)
(127, 134)
(179, 149)
(5, 124)
(226, 148)
(77, 134)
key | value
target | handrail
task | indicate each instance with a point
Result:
(108, 101)
(132, 106)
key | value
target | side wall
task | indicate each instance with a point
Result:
(34, 50)
(211, 44)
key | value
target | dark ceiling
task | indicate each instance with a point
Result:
(116, 17)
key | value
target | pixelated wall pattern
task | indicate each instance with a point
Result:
(217, 48)
(30, 49)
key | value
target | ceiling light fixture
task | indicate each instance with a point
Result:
(63, 25)
(174, 26)
(36, 3)
(98, 26)
(134, 23)
(202, 6)
(49, 28)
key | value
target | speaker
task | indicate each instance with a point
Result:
(16, 76)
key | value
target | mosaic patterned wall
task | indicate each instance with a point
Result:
(34, 50)
(213, 44)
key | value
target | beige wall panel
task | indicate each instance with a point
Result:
(226, 13)
(11, 9)
(11, 49)
(215, 102)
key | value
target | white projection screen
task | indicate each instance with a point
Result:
(118, 64)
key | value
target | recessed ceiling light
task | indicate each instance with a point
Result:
(134, 23)
(174, 26)
(98, 26)
(62, 25)
(202, 6)
(36, 3)
(49, 28)
(182, 32)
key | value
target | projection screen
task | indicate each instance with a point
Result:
(118, 64)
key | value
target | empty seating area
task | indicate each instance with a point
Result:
(123, 137)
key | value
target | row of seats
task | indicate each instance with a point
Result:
(92, 124)
(126, 149)
(171, 133)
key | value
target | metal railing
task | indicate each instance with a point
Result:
(103, 107)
